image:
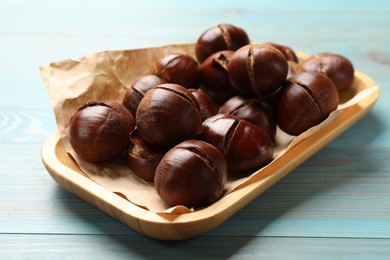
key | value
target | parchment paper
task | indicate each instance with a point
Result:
(106, 76)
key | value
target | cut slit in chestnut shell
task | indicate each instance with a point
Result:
(178, 68)
(218, 38)
(99, 131)
(257, 70)
(256, 111)
(216, 81)
(136, 92)
(306, 100)
(192, 174)
(245, 146)
(338, 68)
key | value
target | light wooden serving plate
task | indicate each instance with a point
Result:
(181, 226)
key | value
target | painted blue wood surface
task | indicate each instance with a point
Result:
(337, 204)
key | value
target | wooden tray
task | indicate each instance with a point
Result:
(181, 226)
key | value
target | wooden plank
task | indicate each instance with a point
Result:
(341, 192)
(43, 246)
(318, 199)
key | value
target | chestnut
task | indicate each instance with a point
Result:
(306, 100)
(136, 92)
(192, 174)
(293, 69)
(288, 53)
(168, 114)
(244, 145)
(257, 70)
(178, 68)
(218, 38)
(207, 105)
(143, 158)
(99, 131)
(338, 68)
(256, 111)
(216, 82)
(273, 97)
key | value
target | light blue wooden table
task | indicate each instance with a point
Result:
(336, 205)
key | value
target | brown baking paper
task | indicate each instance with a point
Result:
(106, 76)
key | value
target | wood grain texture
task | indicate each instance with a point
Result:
(43, 246)
(336, 203)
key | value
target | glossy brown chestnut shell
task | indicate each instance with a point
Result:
(143, 158)
(306, 100)
(244, 145)
(293, 69)
(216, 82)
(207, 105)
(179, 69)
(338, 68)
(218, 38)
(288, 53)
(192, 174)
(99, 131)
(256, 111)
(168, 114)
(136, 92)
(257, 70)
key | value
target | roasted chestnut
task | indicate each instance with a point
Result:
(306, 100)
(136, 92)
(256, 111)
(216, 82)
(288, 53)
(180, 69)
(143, 158)
(293, 68)
(338, 68)
(244, 145)
(168, 114)
(257, 70)
(192, 174)
(218, 38)
(99, 131)
(207, 105)
(273, 97)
